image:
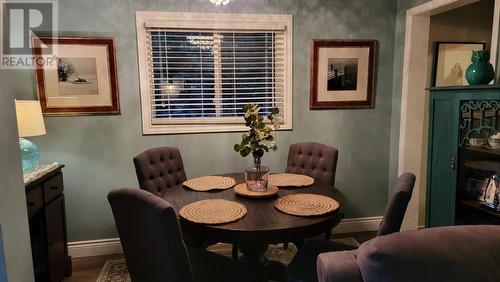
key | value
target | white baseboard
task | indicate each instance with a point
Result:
(112, 246)
(352, 225)
(92, 248)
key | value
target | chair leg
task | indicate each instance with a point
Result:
(285, 245)
(234, 251)
(328, 234)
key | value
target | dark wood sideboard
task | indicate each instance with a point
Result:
(47, 224)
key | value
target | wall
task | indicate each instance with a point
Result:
(3, 269)
(402, 7)
(399, 41)
(98, 150)
(13, 212)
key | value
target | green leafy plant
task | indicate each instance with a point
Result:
(260, 138)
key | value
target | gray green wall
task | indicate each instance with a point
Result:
(399, 41)
(13, 212)
(98, 150)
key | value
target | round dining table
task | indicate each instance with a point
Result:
(263, 224)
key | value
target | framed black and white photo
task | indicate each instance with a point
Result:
(342, 74)
(81, 77)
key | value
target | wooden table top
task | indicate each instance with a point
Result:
(263, 221)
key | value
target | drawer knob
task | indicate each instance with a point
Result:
(31, 204)
(53, 187)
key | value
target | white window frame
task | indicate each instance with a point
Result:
(204, 21)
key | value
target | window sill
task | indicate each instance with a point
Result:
(198, 128)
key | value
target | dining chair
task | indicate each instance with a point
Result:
(153, 244)
(316, 160)
(303, 265)
(158, 169)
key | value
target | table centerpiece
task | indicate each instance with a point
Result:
(258, 140)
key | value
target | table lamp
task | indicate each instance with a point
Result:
(29, 123)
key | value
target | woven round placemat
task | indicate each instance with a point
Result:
(290, 179)
(242, 190)
(306, 204)
(207, 183)
(213, 211)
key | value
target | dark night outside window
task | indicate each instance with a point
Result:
(209, 75)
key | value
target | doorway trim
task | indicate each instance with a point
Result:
(413, 120)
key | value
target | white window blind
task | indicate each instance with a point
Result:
(212, 74)
(200, 76)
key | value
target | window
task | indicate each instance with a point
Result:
(198, 70)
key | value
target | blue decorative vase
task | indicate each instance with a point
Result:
(480, 71)
(30, 154)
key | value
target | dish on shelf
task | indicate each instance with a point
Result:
(494, 141)
(477, 142)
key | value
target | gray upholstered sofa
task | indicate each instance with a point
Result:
(455, 253)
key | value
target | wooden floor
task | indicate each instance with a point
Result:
(88, 269)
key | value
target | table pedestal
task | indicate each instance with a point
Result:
(253, 257)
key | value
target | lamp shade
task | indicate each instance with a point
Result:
(29, 118)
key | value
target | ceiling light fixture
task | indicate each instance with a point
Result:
(220, 2)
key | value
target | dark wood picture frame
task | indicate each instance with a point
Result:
(369, 101)
(436, 56)
(109, 42)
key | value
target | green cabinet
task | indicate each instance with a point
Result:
(456, 114)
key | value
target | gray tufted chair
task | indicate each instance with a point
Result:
(316, 160)
(396, 208)
(158, 169)
(154, 247)
(303, 265)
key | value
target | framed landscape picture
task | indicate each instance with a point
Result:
(451, 60)
(342, 74)
(78, 75)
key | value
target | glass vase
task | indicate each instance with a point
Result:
(257, 176)
(30, 154)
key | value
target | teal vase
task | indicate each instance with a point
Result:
(480, 71)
